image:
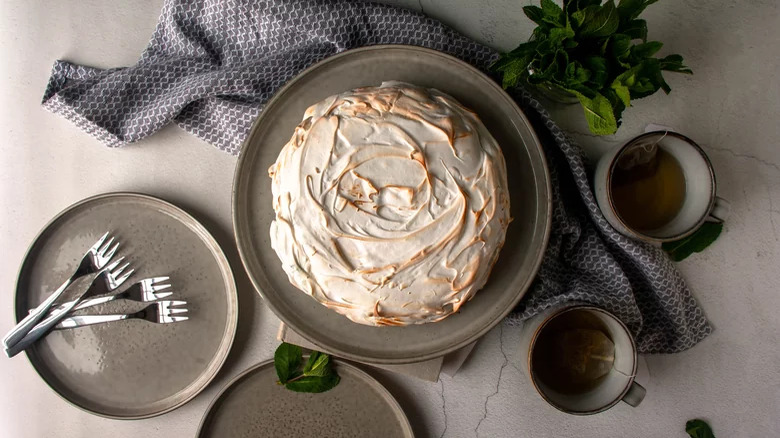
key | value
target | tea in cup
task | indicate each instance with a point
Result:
(658, 187)
(581, 359)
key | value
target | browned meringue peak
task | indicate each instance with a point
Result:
(391, 204)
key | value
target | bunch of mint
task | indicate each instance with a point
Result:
(596, 52)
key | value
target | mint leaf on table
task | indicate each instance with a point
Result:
(696, 242)
(698, 429)
(318, 374)
(287, 359)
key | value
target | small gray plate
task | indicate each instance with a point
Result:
(529, 189)
(252, 404)
(133, 369)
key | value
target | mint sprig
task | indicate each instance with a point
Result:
(317, 375)
(596, 52)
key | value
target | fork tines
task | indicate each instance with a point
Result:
(166, 311)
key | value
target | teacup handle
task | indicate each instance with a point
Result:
(635, 395)
(720, 210)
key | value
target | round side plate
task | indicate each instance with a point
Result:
(252, 404)
(133, 369)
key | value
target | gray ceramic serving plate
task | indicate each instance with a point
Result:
(133, 369)
(252, 404)
(529, 188)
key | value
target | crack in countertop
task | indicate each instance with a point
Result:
(443, 408)
(747, 156)
(498, 381)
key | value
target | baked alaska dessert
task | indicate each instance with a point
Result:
(391, 204)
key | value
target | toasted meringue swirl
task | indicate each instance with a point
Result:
(391, 204)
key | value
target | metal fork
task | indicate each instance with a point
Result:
(161, 312)
(108, 278)
(144, 291)
(93, 261)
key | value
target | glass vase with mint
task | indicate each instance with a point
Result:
(594, 53)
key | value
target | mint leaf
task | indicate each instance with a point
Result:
(620, 46)
(622, 92)
(535, 13)
(585, 14)
(659, 78)
(314, 383)
(553, 14)
(551, 9)
(576, 74)
(317, 365)
(617, 103)
(645, 50)
(698, 429)
(287, 359)
(674, 63)
(630, 9)
(598, 68)
(703, 237)
(559, 34)
(522, 50)
(602, 23)
(598, 113)
(513, 73)
(643, 79)
(648, 79)
(636, 29)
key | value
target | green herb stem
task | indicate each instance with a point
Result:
(295, 378)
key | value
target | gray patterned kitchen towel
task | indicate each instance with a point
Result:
(212, 64)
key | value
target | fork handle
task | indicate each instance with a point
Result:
(82, 320)
(100, 300)
(40, 330)
(25, 325)
(88, 303)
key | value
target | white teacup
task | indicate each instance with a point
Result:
(699, 203)
(615, 385)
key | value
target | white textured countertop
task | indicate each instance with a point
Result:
(730, 106)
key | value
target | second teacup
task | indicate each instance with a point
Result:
(581, 359)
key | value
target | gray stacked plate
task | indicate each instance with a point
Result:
(254, 405)
(133, 369)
